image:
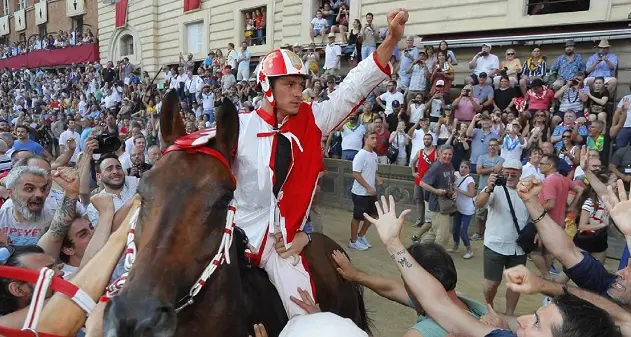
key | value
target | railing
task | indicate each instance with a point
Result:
(27, 42)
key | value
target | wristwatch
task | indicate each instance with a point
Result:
(487, 190)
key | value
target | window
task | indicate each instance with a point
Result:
(542, 7)
(5, 6)
(194, 35)
(77, 24)
(127, 45)
(22, 37)
(20, 4)
(254, 23)
(43, 31)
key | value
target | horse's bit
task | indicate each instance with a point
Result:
(193, 143)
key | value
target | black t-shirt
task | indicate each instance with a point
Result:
(504, 97)
(108, 75)
(595, 107)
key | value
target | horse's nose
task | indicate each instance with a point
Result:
(148, 317)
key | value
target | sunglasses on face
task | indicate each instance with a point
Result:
(566, 137)
(510, 54)
(5, 254)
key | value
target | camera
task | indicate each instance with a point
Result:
(500, 180)
(574, 81)
(107, 144)
(600, 55)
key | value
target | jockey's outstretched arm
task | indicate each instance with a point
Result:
(60, 315)
(361, 80)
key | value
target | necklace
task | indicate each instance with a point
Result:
(569, 99)
(509, 144)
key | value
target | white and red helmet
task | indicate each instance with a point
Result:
(279, 62)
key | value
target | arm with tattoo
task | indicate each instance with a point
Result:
(52, 240)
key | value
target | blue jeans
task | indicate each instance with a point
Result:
(460, 229)
(623, 138)
(624, 258)
(367, 50)
(349, 154)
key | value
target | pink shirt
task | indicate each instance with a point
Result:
(464, 110)
(556, 187)
(542, 103)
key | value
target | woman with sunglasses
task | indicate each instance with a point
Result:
(539, 131)
(511, 65)
(569, 152)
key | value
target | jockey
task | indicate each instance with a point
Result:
(279, 157)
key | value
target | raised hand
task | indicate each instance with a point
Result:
(521, 280)
(397, 19)
(345, 267)
(259, 331)
(529, 188)
(68, 179)
(103, 202)
(71, 144)
(619, 207)
(388, 224)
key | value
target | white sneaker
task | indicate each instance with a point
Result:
(364, 241)
(468, 255)
(357, 245)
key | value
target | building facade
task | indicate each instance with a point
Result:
(155, 32)
(21, 20)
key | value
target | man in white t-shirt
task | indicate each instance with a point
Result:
(352, 135)
(70, 133)
(129, 143)
(232, 59)
(364, 190)
(483, 62)
(319, 26)
(513, 142)
(532, 166)
(386, 99)
(140, 142)
(621, 126)
(332, 57)
(416, 135)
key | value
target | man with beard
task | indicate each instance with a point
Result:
(24, 143)
(109, 172)
(567, 65)
(138, 164)
(4, 126)
(28, 188)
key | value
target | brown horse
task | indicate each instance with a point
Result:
(185, 200)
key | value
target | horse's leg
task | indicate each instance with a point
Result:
(334, 294)
(63, 317)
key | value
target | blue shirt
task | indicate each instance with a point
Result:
(30, 146)
(430, 328)
(480, 144)
(405, 62)
(559, 129)
(567, 69)
(84, 136)
(602, 69)
(590, 275)
(501, 333)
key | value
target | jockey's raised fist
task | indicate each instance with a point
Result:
(397, 18)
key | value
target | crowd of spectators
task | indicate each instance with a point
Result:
(60, 40)
(510, 121)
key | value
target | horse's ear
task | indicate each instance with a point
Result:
(227, 135)
(171, 125)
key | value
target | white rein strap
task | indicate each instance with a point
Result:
(44, 282)
(223, 255)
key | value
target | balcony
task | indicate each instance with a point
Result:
(86, 53)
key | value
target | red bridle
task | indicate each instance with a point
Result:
(197, 142)
(58, 284)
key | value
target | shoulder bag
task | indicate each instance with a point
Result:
(526, 236)
(446, 204)
(393, 152)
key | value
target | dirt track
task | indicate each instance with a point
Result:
(391, 319)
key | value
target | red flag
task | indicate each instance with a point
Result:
(190, 5)
(121, 13)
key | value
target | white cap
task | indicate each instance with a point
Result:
(440, 82)
(512, 164)
(323, 324)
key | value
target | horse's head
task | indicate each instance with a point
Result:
(185, 199)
